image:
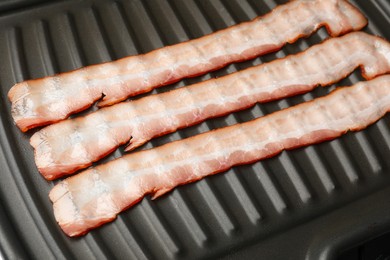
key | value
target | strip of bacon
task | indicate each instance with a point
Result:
(51, 99)
(87, 139)
(95, 196)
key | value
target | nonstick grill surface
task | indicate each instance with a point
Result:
(308, 203)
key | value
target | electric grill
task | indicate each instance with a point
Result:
(310, 203)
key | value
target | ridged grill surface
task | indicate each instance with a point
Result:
(206, 219)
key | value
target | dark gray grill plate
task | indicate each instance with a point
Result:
(311, 202)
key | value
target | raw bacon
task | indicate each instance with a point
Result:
(87, 139)
(95, 196)
(51, 99)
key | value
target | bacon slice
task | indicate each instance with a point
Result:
(95, 196)
(87, 139)
(51, 99)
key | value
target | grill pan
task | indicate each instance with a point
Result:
(308, 203)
